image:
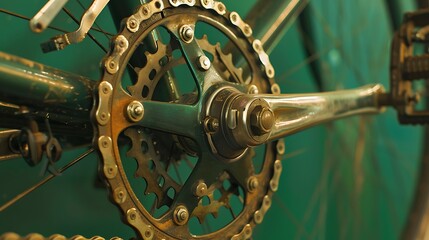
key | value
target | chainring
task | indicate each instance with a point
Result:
(152, 154)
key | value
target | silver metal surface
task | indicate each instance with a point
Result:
(86, 23)
(45, 16)
(296, 112)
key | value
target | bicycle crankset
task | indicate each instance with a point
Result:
(169, 180)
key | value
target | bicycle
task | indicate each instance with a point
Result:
(186, 146)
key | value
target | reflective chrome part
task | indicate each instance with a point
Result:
(45, 16)
(177, 3)
(201, 189)
(112, 62)
(237, 21)
(263, 57)
(135, 111)
(296, 112)
(204, 63)
(181, 215)
(219, 7)
(186, 33)
(104, 94)
(88, 19)
(274, 183)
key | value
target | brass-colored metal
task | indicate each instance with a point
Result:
(36, 236)
(181, 215)
(184, 123)
(135, 111)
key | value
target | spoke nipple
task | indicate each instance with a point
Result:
(135, 111)
(181, 215)
(204, 62)
(211, 124)
(186, 33)
(201, 189)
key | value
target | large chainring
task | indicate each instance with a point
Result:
(144, 167)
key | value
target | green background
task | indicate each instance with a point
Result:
(352, 179)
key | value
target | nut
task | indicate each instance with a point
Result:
(204, 62)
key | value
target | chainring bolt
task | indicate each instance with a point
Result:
(181, 215)
(252, 183)
(201, 189)
(135, 111)
(186, 33)
(253, 89)
(204, 62)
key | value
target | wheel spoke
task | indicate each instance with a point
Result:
(44, 181)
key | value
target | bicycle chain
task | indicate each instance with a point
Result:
(148, 14)
(36, 236)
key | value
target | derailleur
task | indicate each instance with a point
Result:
(32, 144)
(408, 67)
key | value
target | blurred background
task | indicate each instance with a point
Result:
(352, 179)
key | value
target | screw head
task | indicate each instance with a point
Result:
(253, 89)
(186, 33)
(211, 124)
(204, 62)
(135, 111)
(201, 189)
(252, 183)
(181, 215)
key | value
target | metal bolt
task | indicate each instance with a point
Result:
(204, 62)
(135, 111)
(181, 215)
(262, 120)
(252, 183)
(186, 33)
(211, 124)
(201, 189)
(253, 89)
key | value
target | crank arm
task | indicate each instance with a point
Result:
(256, 119)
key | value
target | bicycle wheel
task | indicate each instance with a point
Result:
(323, 193)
